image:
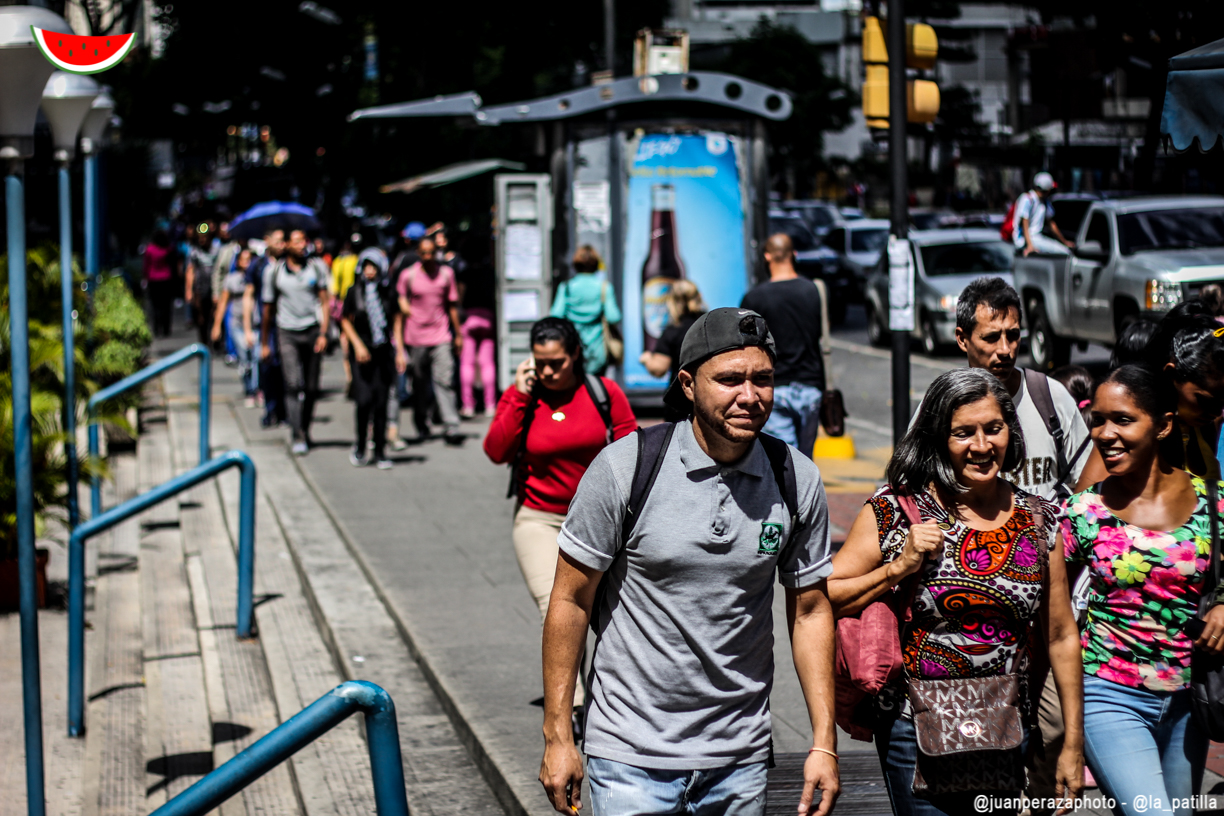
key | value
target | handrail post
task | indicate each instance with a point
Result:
(382, 732)
(122, 512)
(143, 375)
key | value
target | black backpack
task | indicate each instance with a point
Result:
(599, 395)
(652, 445)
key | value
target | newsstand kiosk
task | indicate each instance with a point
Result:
(664, 175)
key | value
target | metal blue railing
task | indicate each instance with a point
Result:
(127, 383)
(382, 737)
(104, 521)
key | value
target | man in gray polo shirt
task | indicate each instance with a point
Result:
(295, 296)
(678, 707)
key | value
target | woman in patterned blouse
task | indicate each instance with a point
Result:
(985, 579)
(1144, 534)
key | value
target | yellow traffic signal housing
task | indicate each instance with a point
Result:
(922, 96)
(921, 46)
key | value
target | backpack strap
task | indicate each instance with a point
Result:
(1038, 387)
(599, 395)
(516, 465)
(783, 469)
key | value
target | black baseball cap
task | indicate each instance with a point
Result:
(725, 329)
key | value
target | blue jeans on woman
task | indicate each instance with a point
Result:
(618, 789)
(897, 745)
(248, 356)
(1143, 747)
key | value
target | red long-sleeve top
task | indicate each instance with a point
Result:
(565, 436)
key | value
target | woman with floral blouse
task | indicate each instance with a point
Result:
(1144, 534)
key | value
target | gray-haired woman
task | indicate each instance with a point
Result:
(983, 582)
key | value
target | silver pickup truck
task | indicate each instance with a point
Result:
(1133, 257)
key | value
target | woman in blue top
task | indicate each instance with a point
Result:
(587, 301)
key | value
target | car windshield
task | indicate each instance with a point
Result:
(1171, 229)
(799, 234)
(820, 216)
(980, 258)
(868, 240)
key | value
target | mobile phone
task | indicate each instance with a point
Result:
(1194, 628)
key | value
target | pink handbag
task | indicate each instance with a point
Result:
(869, 646)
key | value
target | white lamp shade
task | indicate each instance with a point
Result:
(23, 74)
(66, 102)
(96, 121)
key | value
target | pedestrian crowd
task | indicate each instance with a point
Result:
(1026, 605)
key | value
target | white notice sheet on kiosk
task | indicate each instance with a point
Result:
(523, 252)
(521, 306)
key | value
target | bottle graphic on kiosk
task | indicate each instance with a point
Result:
(663, 265)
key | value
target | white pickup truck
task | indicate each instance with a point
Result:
(1133, 257)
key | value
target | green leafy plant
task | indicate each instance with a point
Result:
(119, 333)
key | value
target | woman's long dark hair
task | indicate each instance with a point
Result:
(922, 456)
(565, 332)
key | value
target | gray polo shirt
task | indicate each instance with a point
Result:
(684, 666)
(297, 305)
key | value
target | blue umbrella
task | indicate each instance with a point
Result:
(269, 215)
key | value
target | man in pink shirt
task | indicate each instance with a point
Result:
(430, 299)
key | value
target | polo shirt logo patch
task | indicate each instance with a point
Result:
(771, 538)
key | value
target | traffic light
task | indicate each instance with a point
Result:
(922, 96)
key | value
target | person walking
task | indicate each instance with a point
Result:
(1032, 210)
(477, 294)
(589, 303)
(159, 280)
(411, 234)
(684, 306)
(429, 299)
(271, 381)
(792, 307)
(1055, 435)
(200, 261)
(370, 319)
(1144, 533)
(677, 717)
(972, 552)
(549, 426)
(230, 313)
(343, 275)
(296, 300)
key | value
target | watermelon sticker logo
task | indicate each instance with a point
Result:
(83, 55)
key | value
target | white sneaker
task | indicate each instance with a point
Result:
(357, 458)
(383, 464)
(300, 449)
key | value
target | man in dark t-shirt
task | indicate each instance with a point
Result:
(790, 305)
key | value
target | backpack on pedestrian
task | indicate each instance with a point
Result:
(1038, 387)
(652, 445)
(603, 403)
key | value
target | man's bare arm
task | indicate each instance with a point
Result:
(569, 614)
(809, 617)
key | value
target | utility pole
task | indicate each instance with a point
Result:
(897, 116)
(615, 229)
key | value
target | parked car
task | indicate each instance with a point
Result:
(945, 262)
(1133, 257)
(820, 216)
(926, 219)
(858, 245)
(813, 259)
(851, 213)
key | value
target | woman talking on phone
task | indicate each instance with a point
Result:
(549, 425)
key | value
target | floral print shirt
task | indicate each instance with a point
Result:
(974, 606)
(1145, 585)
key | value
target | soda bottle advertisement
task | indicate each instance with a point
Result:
(685, 220)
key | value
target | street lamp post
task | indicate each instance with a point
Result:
(66, 102)
(23, 75)
(91, 143)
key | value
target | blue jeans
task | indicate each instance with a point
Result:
(1143, 745)
(618, 789)
(796, 416)
(897, 746)
(247, 355)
